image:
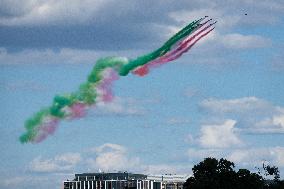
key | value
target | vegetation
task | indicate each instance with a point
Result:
(220, 174)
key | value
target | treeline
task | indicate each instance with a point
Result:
(221, 174)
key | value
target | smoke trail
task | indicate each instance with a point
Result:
(182, 47)
(98, 86)
(74, 105)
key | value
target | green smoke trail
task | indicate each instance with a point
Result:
(45, 121)
(86, 94)
(162, 50)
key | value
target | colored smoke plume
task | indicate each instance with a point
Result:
(97, 88)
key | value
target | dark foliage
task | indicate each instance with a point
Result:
(220, 174)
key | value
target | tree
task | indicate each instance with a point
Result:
(246, 179)
(220, 174)
(274, 172)
(212, 174)
(271, 171)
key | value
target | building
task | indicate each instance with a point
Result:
(170, 181)
(111, 181)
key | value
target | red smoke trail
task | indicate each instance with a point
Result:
(193, 32)
(104, 88)
(46, 128)
(97, 88)
(78, 110)
(182, 47)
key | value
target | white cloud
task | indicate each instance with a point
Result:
(119, 106)
(273, 124)
(227, 19)
(107, 157)
(45, 165)
(189, 139)
(239, 105)
(224, 20)
(248, 114)
(278, 120)
(110, 146)
(167, 169)
(47, 56)
(232, 13)
(64, 162)
(45, 12)
(242, 157)
(256, 156)
(69, 158)
(219, 136)
(229, 41)
(178, 120)
(239, 41)
(252, 114)
(251, 157)
(113, 157)
(278, 153)
(236, 41)
(15, 12)
(62, 56)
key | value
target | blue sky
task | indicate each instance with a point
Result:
(224, 98)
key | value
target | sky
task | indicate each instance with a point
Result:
(224, 98)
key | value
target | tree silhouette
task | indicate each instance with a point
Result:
(273, 171)
(212, 174)
(220, 174)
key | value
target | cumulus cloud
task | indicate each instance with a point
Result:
(59, 163)
(219, 136)
(112, 157)
(115, 157)
(106, 157)
(252, 114)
